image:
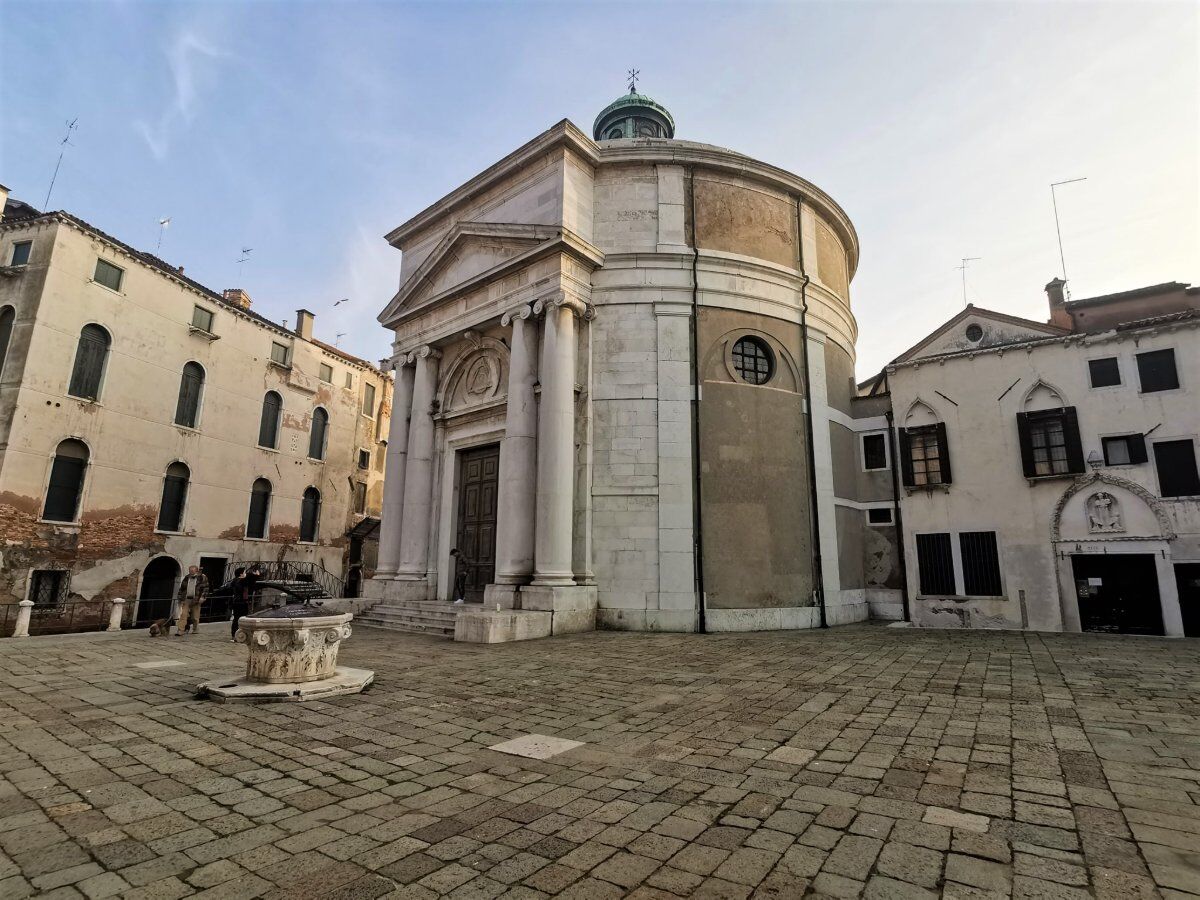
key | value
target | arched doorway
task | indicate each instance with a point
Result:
(158, 590)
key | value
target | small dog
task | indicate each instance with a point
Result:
(161, 627)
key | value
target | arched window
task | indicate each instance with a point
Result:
(7, 315)
(310, 515)
(260, 509)
(174, 496)
(268, 426)
(66, 481)
(316, 437)
(90, 359)
(191, 386)
(753, 360)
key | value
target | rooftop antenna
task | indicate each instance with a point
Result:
(963, 268)
(246, 251)
(162, 226)
(632, 75)
(1061, 258)
(340, 335)
(63, 144)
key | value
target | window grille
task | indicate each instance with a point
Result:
(980, 563)
(935, 561)
(753, 360)
(48, 588)
(925, 453)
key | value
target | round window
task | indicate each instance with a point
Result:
(974, 333)
(753, 360)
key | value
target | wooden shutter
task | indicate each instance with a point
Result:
(1137, 448)
(906, 468)
(943, 452)
(1026, 445)
(1071, 436)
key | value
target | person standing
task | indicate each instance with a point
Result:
(192, 591)
(241, 600)
(253, 577)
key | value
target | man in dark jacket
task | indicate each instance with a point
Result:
(240, 600)
(193, 588)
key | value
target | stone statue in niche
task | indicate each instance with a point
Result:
(1104, 513)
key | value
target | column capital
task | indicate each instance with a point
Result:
(563, 300)
(524, 311)
(424, 352)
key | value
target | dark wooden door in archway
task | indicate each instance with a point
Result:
(158, 590)
(479, 472)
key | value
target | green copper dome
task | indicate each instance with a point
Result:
(634, 115)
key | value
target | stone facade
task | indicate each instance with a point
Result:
(580, 305)
(1108, 536)
(131, 429)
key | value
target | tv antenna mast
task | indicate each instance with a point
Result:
(337, 339)
(162, 226)
(246, 251)
(963, 268)
(1061, 258)
(63, 145)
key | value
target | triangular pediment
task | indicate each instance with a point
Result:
(473, 253)
(976, 328)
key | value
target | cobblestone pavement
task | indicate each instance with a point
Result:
(864, 760)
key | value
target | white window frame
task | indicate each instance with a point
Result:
(862, 451)
(13, 253)
(286, 362)
(331, 373)
(884, 506)
(1120, 372)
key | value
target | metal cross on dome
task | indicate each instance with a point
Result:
(633, 77)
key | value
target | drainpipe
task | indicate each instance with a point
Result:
(697, 520)
(817, 568)
(896, 507)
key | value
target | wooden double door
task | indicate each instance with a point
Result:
(478, 481)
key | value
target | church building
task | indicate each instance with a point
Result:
(624, 394)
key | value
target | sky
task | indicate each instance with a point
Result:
(307, 130)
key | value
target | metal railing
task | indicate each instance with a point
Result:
(311, 572)
(63, 618)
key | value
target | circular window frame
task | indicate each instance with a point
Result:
(978, 332)
(764, 350)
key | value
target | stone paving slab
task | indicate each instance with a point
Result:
(862, 761)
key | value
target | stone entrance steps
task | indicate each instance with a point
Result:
(412, 616)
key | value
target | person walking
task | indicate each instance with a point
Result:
(192, 591)
(241, 600)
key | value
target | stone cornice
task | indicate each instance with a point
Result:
(562, 134)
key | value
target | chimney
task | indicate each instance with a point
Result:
(304, 324)
(1055, 293)
(237, 297)
(3, 200)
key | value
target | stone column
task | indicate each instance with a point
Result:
(515, 502)
(556, 443)
(115, 614)
(418, 479)
(21, 628)
(394, 473)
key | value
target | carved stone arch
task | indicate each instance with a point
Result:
(1087, 481)
(718, 361)
(1043, 395)
(920, 414)
(478, 377)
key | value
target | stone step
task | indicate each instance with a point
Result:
(416, 619)
(440, 629)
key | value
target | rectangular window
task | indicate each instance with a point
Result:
(360, 497)
(880, 516)
(48, 587)
(108, 275)
(924, 454)
(279, 353)
(1050, 442)
(326, 373)
(1156, 371)
(980, 564)
(935, 561)
(20, 254)
(1124, 450)
(368, 407)
(1104, 372)
(349, 380)
(202, 318)
(874, 451)
(1176, 465)
(364, 459)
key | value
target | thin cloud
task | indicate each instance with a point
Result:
(185, 57)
